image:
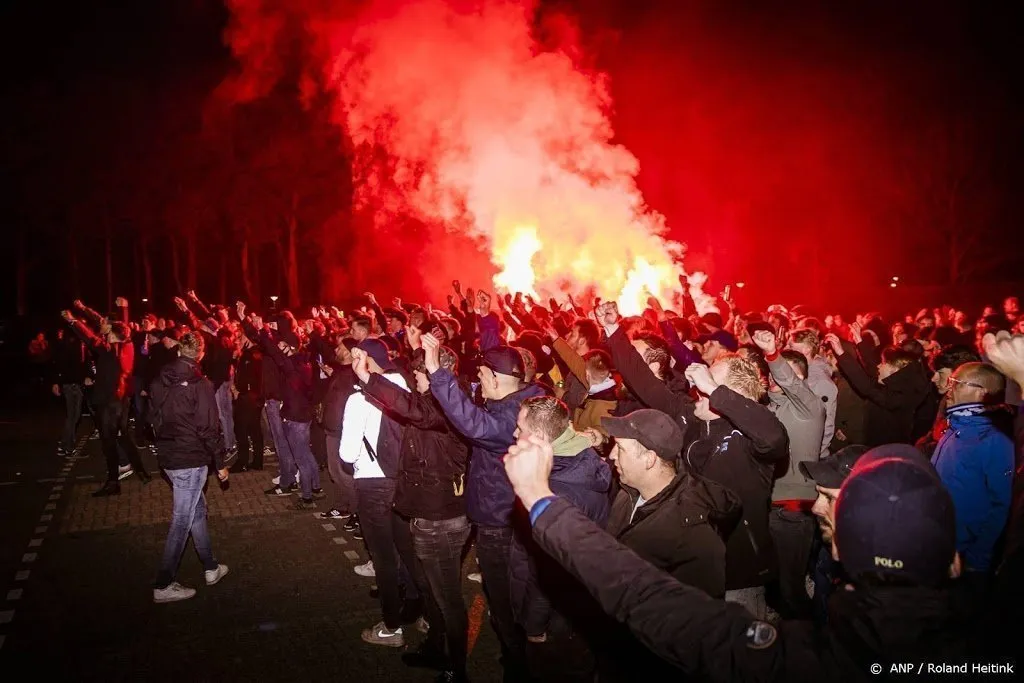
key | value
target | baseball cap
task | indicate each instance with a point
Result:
(894, 517)
(830, 472)
(722, 337)
(504, 360)
(378, 351)
(652, 428)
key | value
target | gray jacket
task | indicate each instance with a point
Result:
(802, 413)
(819, 379)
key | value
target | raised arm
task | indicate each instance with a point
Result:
(753, 420)
(684, 355)
(90, 314)
(701, 636)
(469, 419)
(638, 377)
(413, 408)
(577, 366)
(203, 308)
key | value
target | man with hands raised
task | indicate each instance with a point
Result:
(729, 438)
(802, 413)
(490, 429)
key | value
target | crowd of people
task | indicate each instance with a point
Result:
(726, 495)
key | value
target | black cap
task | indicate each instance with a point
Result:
(504, 360)
(830, 472)
(894, 517)
(378, 351)
(652, 428)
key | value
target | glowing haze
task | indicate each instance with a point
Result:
(485, 133)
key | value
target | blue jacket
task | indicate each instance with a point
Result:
(975, 461)
(489, 429)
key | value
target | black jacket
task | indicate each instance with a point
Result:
(184, 418)
(678, 530)
(889, 416)
(340, 385)
(739, 451)
(296, 380)
(249, 373)
(114, 364)
(718, 641)
(432, 462)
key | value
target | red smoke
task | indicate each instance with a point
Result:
(460, 122)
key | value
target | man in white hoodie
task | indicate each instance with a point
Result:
(371, 442)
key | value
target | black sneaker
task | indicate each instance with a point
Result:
(61, 451)
(318, 494)
(111, 488)
(278, 491)
(333, 513)
(352, 525)
(427, 656)
(305, 504)
(357, 534)
(451, 677)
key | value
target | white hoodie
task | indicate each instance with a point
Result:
(362, 418)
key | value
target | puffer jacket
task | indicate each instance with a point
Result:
(432, 462)
(184, 417)
(975, 461)
(489, 429)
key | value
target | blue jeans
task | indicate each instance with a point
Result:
(188, 517)
(296, 434)
(225, 410)
(285, 459)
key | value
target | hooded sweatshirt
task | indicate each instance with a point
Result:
(802, 413)
(185, 419)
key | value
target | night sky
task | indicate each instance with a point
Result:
(808, 148)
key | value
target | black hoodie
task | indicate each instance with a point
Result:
(184, 418)
(892, 405)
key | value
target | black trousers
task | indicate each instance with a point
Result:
(113, 423)
(793, 535)
(248, 430)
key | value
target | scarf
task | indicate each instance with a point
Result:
(569, 443)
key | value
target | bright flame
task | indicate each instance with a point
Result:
(515, 255)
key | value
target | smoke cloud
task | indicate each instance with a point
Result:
(459, 119)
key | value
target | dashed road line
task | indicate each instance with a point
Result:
(22, 575)
(15, 594)
(329, 527)
(6, 616)
(29, 557)
(35, 543)
(339, 540)
(352, 554)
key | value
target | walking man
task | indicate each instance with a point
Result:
(187, 427)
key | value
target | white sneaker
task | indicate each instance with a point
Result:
(173, 593)
(475, 577)
(366, 570)
(124, 471)
(216, 575)
(381, 635)
(276, 481)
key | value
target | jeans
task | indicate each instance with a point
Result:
(493, 546)
(374, 499)
(793, 535)
(344, 491)
(227, 414)
(188, 517)
(113, 419)
(751, 598)
(285, 459)
(73, 402)
(247, 411)
(438, 549)
(141, 404)
(318, 444)
(296, 434)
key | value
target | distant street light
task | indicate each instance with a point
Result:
(895, 278)
(741, 285)
(274, 299)
(892, 284)
(145, 301)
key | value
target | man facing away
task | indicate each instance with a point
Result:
(187, 428)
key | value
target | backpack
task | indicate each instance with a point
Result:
(178, 399)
